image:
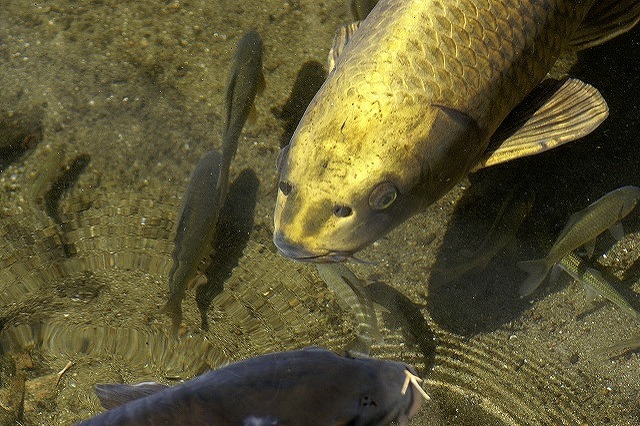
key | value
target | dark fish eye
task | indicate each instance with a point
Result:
(383, 196)
(285, 187)
(342, 211)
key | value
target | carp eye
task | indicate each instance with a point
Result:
(383, 196)
(285, 187)
(342, 211)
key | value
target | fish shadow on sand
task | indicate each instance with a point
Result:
(405, 313)
(307, 83)
(19, 133)
(564, 180)
(232, 235)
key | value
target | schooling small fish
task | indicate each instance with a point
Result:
(312, 386)
(420, 96)
(592, 278)
(207, 189)
(582, 227)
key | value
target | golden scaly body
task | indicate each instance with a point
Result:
(413, 100)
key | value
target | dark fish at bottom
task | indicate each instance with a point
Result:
(312, 386)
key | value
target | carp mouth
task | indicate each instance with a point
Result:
(301, 254)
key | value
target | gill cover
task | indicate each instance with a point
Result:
(454, 145)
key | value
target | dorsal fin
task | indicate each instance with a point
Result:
(340, 40)
(116, 394)
(606, 19)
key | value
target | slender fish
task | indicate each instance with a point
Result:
(629, 345)
(415, 102)
(207, 189)
(582, 227)
(245, 82)
(311, 386)
(196, 230)
(592, 278)
(352, 296)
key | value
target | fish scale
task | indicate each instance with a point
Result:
(413, 100)
(456, 53)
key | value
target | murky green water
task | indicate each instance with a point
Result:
(120, 99)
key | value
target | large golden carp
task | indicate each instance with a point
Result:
(413, 102)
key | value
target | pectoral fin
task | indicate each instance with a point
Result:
(590, 293)
(555, 273)
(606, 19)
(590, 248)
(553, 114)
(252, 118)
(617, 231)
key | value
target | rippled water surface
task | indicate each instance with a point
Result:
(110, 104)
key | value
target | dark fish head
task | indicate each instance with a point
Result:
(396, 397)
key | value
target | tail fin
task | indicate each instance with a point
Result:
(173, 308)
(537, 270)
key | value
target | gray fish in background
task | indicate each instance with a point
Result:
(352, 296)
(309, 387)
(245, 82)
(592, 278)
(582, 227)
(207, 189)
(629, 345)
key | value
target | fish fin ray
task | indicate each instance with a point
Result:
(381, 308)
(116, 394)
(617, 231)
(567, 111)
(340, 40)
(554, 275)
(590, 293)
(596, 273)
(606, 19)
(537, 270)
(252, 118)
(262, 84)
